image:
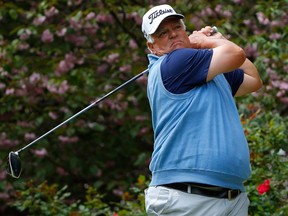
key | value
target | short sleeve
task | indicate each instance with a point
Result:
(183, 69)
(235, 79)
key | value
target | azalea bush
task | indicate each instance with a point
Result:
(56, 57)
(268, 186)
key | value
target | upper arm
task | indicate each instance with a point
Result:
(183, 69)
(225, 58)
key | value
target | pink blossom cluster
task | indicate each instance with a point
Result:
(61, 88)
(278, 84)
(67, 139)
(252, 51)
(47, 36)
(41, 153)
(68, 63)
(80, 29)
(6, 143)
(61, 171)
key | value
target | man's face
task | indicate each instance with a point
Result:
(170, 35)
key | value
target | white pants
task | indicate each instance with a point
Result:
(166, 201)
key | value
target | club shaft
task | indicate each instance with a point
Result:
(85, 109)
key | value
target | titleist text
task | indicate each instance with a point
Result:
(157, 13)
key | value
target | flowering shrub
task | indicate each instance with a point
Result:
(58, 56)
(268, 186)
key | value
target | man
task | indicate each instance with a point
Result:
(201, 157)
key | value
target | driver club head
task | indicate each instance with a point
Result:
(14, 167)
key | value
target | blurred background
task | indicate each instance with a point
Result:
(58, 56)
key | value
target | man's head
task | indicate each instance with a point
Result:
(164, 30)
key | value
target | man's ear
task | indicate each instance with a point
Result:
(150, 47)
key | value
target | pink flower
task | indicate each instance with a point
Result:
(63, 88)
(64, 66)
(51, 12)
(39, 20)
(90, 16)
(133, 44)
(90, 29)
(262, 19)
(10, 91)
(66, 139)
(275, 36)
(102, 68)
(34, 78)
(99, 45)
(29, 136)
(40, 152)
(125, 68)
(78, 40)
(47, 36)
(103, 18)
(61, 32)
(23, 46)
(264, 187)
(112, 58)
(75, 24)
(25, 34)
(2, 86)
(61, 171)
(53, 115)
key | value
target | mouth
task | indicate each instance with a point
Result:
(176, 43)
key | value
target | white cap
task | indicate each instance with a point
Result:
(153, 18)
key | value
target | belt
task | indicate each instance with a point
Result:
(205, 190)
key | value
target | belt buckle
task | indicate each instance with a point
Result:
(189, 190)
(230, 194)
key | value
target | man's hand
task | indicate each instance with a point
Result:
(198, 38)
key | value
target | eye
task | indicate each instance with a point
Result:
(178, 27)
(162, 34)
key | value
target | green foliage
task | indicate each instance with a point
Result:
(45, 199)
(58, 56)
(267, 137)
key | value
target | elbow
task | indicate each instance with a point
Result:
(241, 56)
(256, 85)
(259, 84)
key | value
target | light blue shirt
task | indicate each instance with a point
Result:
(198, 136)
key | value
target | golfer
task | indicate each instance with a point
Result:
(201, 156)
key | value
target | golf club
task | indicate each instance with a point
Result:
(14, 167)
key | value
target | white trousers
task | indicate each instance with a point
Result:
(170, 202)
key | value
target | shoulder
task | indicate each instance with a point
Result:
(186, 55)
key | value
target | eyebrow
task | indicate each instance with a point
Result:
(174, 21)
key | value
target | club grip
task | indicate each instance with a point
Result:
(214, 30)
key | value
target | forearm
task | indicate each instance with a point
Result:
(249, 68)
(252, 80)
(202, 40)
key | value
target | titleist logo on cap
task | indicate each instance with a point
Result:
(158, 13)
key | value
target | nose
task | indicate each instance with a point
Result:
(172, 34)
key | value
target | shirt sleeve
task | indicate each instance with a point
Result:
(183, 69)
(235, 79)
